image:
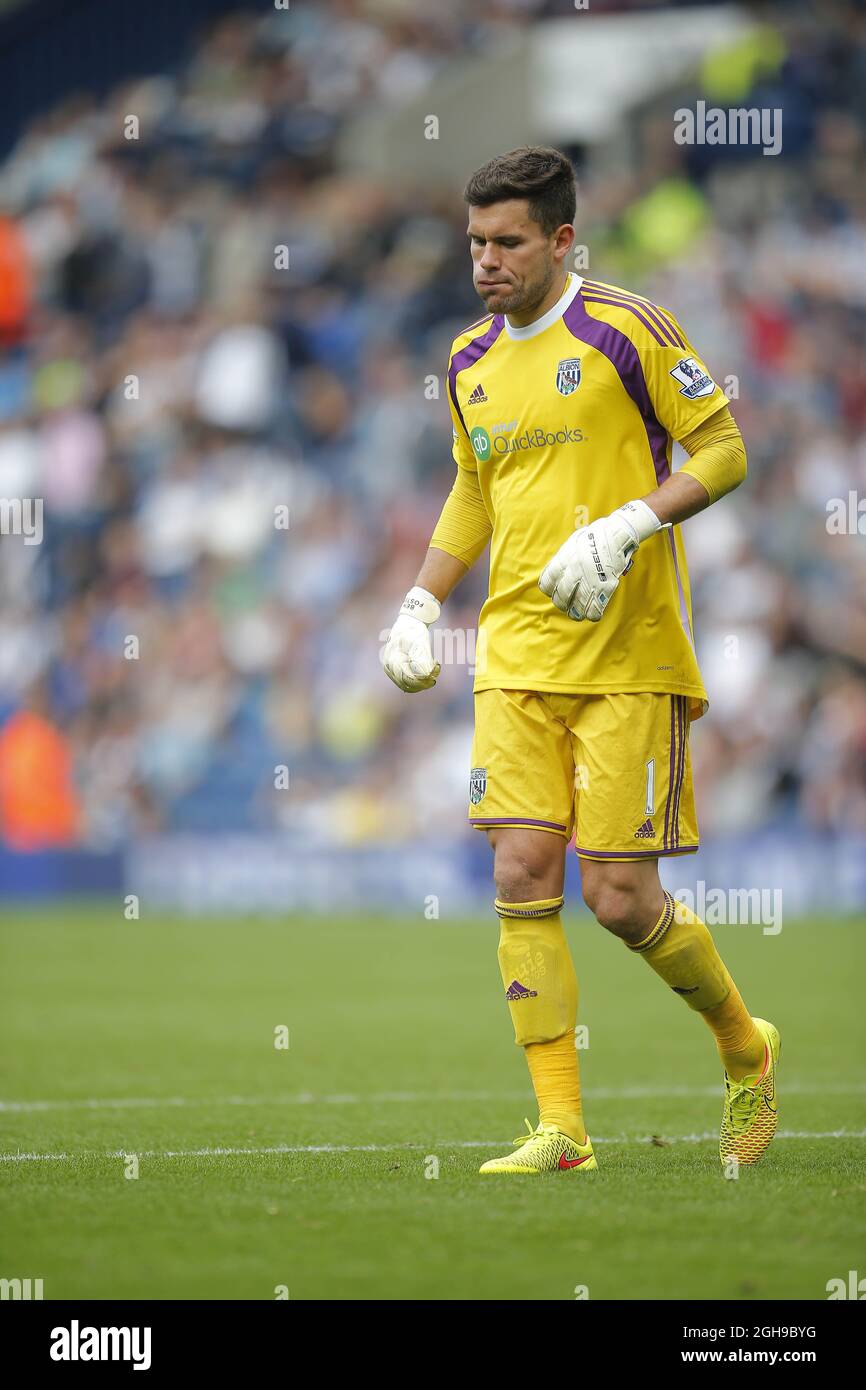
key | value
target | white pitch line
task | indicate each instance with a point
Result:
(392, 1097)
(34, 1158)
(277, 1149)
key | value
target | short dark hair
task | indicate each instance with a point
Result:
(542, 175)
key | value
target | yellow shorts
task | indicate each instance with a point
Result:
(613, 768)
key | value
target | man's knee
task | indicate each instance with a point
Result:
(622, 897)
(528, 866)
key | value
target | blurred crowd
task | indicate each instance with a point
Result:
(221, 368)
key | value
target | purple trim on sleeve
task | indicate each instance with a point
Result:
(469, 355)
(622, 353)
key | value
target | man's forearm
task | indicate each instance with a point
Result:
(459, 537)
(678, 498)
(440, 573)
(716, 465)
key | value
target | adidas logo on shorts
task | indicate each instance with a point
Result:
(646, 831)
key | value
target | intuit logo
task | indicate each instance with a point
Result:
(75, 1343)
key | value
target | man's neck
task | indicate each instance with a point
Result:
(554, 294)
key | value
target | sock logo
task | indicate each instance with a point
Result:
(646, 831)
(517, 991)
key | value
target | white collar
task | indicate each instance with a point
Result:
(538, 325)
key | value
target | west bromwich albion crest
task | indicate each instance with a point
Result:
(568, 375)
(477, 784)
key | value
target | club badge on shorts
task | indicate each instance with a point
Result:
(477, 784)
(568, 375)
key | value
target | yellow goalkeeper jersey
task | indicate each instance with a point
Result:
(563, 421)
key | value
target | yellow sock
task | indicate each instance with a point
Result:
(541, 990)
(741, 1047)
(555, 1076)
(681, 950)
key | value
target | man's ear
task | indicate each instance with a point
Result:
(563, 241)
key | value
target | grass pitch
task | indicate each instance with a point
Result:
(308, 1167)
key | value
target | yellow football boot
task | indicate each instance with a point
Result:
(544, 1150)
(750, 1115)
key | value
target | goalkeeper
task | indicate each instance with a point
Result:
(566, 397)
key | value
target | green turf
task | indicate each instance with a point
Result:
(399, 1038)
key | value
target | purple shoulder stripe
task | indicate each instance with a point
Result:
(622, 353)
(633, 308)
(484, 318)
(469, 355)
(609, 294)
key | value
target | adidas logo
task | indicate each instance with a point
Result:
(518, 991)
(646, 831)
(478, 397)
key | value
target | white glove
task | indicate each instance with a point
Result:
(408, 654)
(584, 573)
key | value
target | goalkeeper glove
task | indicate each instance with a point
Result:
(584, 574)
(408, 654)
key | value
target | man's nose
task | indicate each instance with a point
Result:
(489, 259)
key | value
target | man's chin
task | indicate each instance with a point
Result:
(500, 301)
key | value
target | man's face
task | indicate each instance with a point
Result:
(513, 261)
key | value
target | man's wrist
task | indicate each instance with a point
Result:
(641, 517)
(421, 604)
